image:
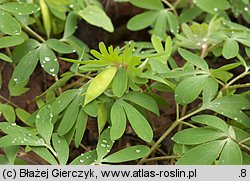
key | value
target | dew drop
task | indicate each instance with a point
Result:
(59, 141)
(71, 5)
(104, 141)
(108, 146)
(82, 154)
(52, 70)
(15, 79)
(204, 46)
(103, 145)
(20, 14)
(51, 115)
(137, 151)
(47, 59)
(81, 160)
(13, 124)
(108, 151)
(37, 116)
(215, 9)
(245, 8)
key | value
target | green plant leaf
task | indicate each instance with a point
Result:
(99, 84)
(153, 4)
(225, 76)
(22, 49)
(200, 154)
(48, 60)
(120, 82)
(194, 136)
(160, 25)
(141, 21)
(81, 123)
(97, 17)
(11, 153)
(189, 89)
(209, 91)
(24, 117)
(212, 6)
(127, 154)
(59, 46)
(230, 48)
(10, 41)
(118, 120)
(45, 154)
(189, 14)
(104, 144)
(193, 59)
(231, 154)
(91, 108)
(212, 121)
(63, 101)
(5, 58)
(8, 24)
(43, 123)
(246, 158)
(20, 8)
(231, 107)
(156, 41)
(46, 17)
(139, 124)
(229, 66)
(69, 117)
(173, 23)
(142, 100)
(27, 63)
(85, 159)
(102, 117)
(8, 113)
(61, 147)
(70, 25)
(20, 139)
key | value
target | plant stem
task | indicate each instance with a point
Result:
(169, 130)
(177, 111)
(244, 140)
(84, 147)
(171, 7)
(235, 79)
(244, 147)
(183, 112)
(33, 33)
(239, 86)
(160, 158)
(9, 102)
(59, 89)
(188, 124)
